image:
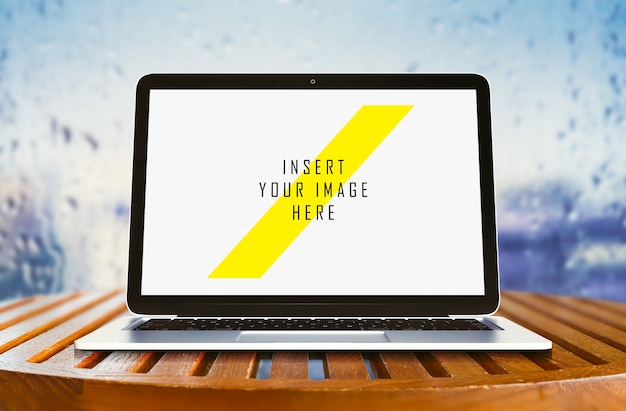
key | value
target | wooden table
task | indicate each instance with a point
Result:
(40, 370)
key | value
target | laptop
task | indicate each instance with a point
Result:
(313, 212)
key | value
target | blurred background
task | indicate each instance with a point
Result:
(557, 70)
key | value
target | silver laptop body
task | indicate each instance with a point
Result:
(291, 205)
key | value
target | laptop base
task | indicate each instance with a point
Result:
(511, 337)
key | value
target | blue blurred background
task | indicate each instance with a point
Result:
(557, 69)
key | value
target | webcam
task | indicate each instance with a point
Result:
(312, 81)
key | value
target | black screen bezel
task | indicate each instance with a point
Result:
(313, 306)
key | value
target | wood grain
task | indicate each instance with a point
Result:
(575, 341)
(28, 312)
(515, 363)
(40, 370)
(346, 366)
(398, 365)
(459, 363)
(179, 363)
(290, 365)
(234, 365)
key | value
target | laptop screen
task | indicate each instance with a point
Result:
(313, 191)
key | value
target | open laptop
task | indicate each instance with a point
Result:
(313, 212)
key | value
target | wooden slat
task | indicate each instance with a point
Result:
(514, 362)
(70, 338)
(611, 306)
(488, 363)
(176, 363)
(41, 322)
(192, 363)
(120, 362)
(432, 364)
(44, 346)
(604, 312)
(459, 363)
(202, 364)
(579, 321)
(6, 306)
(290, 365)
(68, 357)
(234, 365)
(346, 365)
(146, 362)
(557, 359)
(90, 360)
(569, 338)
(398, 365)
(33, 309)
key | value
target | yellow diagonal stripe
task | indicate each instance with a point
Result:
(276, 230)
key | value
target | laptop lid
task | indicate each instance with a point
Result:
(324, 195)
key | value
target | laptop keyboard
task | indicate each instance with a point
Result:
(193, 324)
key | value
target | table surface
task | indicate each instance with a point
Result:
(40, 369)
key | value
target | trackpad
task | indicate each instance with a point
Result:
(312, 336)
